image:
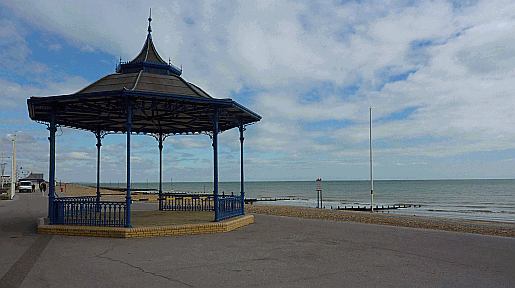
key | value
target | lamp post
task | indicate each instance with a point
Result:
(13, 167)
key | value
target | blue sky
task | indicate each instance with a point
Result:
(438, 75)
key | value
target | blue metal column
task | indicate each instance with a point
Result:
(241, 167)
(160, 171)
(99, 144)
(215, 163)
(128, 197)
(51, 173)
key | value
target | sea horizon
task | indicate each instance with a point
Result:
(246, 181)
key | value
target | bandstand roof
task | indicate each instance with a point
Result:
(162, 101)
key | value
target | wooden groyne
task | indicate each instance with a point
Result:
(124, 189)
(347, 208)
(377, 207)
(252, 200)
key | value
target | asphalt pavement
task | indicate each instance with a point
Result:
(273, 252)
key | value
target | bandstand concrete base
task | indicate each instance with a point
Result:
(141, 232)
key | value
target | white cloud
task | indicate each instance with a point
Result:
(78, 156)
(14, 46)
(87, 48)
(14, 94)
(285, 105)
(189, 142)
(55, 47)
(459, 89)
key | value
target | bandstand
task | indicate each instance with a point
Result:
(145, 96)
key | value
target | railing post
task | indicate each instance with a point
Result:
(128, 197)
(215, 164)
(241, 168)
(51, 180)
(99, 144)
(160, 171)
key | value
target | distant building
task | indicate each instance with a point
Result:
(35, 178)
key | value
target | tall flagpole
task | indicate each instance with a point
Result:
(371, 170)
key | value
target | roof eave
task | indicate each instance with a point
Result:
(63, 98)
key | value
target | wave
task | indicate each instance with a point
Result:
(475, 206)
(470, 211)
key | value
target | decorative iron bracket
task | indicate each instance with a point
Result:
(156, 136)
(57, 126)
(100, 134)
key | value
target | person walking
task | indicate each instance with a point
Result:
(43, 186)
(33, 187)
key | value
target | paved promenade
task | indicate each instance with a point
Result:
(273, 252)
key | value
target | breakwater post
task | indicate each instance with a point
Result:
(319, 193)
(387, 207)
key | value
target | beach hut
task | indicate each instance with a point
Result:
(145, 96)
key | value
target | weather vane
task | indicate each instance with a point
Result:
(149, 20)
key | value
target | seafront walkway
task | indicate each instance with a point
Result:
(273, 252)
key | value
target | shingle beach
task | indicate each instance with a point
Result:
(466, 226)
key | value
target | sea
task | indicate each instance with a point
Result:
(475, 199)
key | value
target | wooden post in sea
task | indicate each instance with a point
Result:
(319, 192)
(371, 169)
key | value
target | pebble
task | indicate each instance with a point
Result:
(477, 227)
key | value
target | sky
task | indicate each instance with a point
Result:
(439, 76)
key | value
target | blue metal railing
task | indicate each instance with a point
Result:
(228, 205)
(88, 212)
(187, 202)
(78, 199)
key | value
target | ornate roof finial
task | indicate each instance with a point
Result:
(149, 20)
(148, 59)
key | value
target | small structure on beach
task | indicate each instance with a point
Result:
(145, 96)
